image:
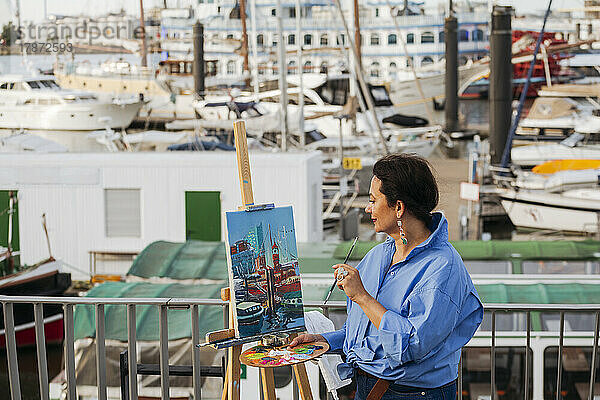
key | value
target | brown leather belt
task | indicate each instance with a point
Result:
(380, 387)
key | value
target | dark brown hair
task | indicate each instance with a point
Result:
(408, 178)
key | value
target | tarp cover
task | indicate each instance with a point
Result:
(207, 260)
(190, 260)
(210, 317)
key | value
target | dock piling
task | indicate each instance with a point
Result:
(451, 78)
(501, 72)
(198, 65)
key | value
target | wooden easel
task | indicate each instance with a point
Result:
(231, 387)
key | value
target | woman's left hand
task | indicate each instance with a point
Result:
(350, 282)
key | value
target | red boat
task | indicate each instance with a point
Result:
(524, 45)
(547, 66)
(291, 284)
(25, 333)
(45, 279)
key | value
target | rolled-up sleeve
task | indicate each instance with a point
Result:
(335, 339)
(427, 318)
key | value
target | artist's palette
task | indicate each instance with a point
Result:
(270, 357)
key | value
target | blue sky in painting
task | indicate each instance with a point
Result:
(280, 220)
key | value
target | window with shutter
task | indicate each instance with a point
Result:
(122, 212)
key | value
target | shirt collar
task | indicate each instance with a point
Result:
(439, 233)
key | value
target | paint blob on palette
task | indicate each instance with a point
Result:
(270, 357)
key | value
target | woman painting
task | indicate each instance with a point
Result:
(411, 303)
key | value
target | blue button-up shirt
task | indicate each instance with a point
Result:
(433, 310)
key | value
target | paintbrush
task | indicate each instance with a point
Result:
(345, 261)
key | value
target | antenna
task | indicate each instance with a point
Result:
(47, 237)
(11, 212)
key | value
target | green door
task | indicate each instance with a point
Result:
(4, 218)
(203, 216)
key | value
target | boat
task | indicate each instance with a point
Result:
(555, 118)
(557, 113)
(557, 181)
(547, 69)
(288, 285)
(551, 167)
(325, 98)
(575, 210)
(154, 140)
(293, 305)
(38, 102)
(167, 91)
(249, 313)
(45, 279)
(219, 115)
(25, 142)
(535, 154)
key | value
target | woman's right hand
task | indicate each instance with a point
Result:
(306, 338)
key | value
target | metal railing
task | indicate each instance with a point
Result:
(528, 309)
(164, 304)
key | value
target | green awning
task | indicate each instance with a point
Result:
(502, 250)
(540, 293)
(528, 250)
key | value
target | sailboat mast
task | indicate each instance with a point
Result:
(245, 68)
(357, 33)
(283, 98)
(143, 35)
(254, 48)
(18, 16)
(361, 79)
(299, 42)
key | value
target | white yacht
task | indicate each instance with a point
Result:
(574, 210)
(38, 102)
(535, 154)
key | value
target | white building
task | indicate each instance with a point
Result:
(121, 202)
(383, 57)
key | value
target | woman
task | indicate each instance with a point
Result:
(411, 303)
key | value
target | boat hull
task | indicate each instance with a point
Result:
(540, 153)
(25, 333)
(552, 212)
(66, 117)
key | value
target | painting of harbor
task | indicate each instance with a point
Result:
(264, 272)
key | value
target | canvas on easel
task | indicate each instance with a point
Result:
(264, 275)
(265, 296)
